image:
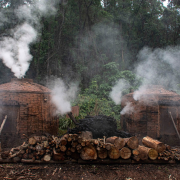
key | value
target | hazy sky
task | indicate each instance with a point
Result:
(165, 3)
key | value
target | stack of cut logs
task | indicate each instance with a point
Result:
(83, 147)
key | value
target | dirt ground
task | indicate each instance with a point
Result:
(89, 172)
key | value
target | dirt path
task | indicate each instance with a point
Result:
(90, 172)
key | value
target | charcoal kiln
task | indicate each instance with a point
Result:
(153, 114)
(28, 109)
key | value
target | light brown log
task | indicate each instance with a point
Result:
(114, 153)
(125, 153)
(145, 152)
(132, 142)
(119, 142)
(47, 157)
(111, 139)
(32, 141)
(153, 143)
(135, 152)
(88, 153)
(69, 139)
(45, 144)
(36, 139)
(102, 153)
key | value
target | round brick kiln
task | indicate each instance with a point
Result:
(152, 114)
(28, 109)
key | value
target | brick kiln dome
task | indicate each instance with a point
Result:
(27, 85)
(151, 112)
(29, 111)
(154, 94)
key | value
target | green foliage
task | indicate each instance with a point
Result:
(95, 99)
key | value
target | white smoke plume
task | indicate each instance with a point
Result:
(14, 50)
(116, 93)
(128, 109)
(62, 96)
(158, 67)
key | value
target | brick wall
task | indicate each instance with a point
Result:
(35, 112)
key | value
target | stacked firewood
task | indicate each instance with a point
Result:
(83, 147)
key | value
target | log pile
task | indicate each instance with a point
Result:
(83, 148)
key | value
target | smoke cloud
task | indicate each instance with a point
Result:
(158, 67)
(63, 95)
(14, 50)
(155, 67)
(128, 109)
(117, 90)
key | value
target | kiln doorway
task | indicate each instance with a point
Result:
(166, 124)
(9, 131)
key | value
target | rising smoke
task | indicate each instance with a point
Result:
(117, 90)
(156, 67)
(63, 95)
(128, 109)
(14, 50)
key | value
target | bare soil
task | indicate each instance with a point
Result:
(89, 172)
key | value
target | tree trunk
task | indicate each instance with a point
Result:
(132, 142)
(114, 153)
(88, 153)
(153, 143)
(111, 139)
(145, 152)
(125, 153)
(47, 157)
(119, 143)
(102, 153)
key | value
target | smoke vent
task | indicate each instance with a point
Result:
(28, 109)
(151, 114)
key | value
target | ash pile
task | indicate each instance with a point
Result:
(99, 126)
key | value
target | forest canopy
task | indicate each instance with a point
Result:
(96, 43)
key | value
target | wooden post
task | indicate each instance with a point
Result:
(1, 128)
(174, 125)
